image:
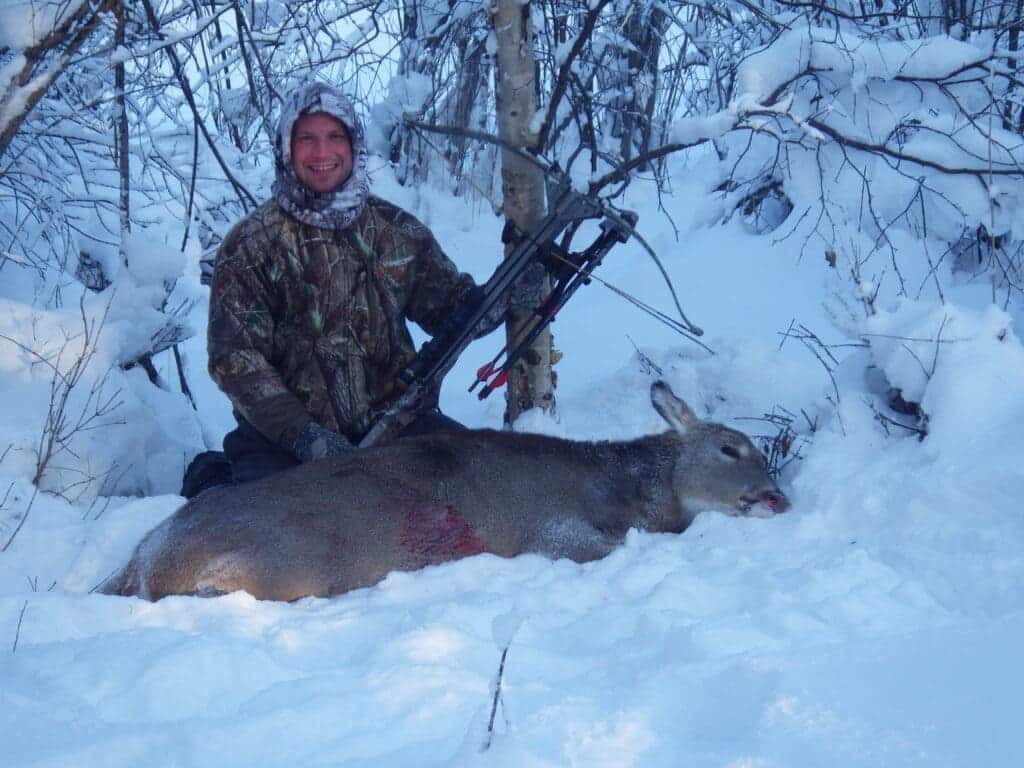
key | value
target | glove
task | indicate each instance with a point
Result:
(316, 442)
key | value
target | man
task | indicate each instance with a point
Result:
(310, 295)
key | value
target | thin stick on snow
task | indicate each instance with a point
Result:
(102, 582)
(21, 523)
(494, 701)
(17, 632)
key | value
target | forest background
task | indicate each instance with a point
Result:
(869, 153)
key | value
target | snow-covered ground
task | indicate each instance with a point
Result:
(878, 623)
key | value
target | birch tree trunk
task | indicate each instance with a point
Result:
(530, 382)
(124, 161)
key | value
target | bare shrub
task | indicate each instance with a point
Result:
(79, 402)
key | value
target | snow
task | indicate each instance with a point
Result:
(150, 261)
(15, 100)
(878, 622)
(23, 23)
(925, 127)
(690, 130)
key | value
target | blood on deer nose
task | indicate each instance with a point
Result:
(774, 501)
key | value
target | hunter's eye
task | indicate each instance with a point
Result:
(731, 452)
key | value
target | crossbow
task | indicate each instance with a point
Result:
(568, 270)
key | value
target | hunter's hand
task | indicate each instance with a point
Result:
(316, 442)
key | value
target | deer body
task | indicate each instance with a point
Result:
(339, 524)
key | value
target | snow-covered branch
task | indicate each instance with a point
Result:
(27, 71)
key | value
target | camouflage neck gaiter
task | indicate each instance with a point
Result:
(330, 210)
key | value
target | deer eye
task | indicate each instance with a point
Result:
(731, 452)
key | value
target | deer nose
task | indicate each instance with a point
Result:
(775, 501)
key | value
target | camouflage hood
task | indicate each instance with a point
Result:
(331, 210)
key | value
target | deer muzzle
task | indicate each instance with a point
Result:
(764, 504)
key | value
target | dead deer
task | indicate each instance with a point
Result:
(338, 524)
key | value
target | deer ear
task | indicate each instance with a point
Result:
(673, 410)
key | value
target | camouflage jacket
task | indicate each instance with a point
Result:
(302, 316)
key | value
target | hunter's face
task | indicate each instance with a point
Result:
(321, 152)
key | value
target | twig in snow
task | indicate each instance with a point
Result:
(7, 495)
(929, 371)
(494, 701)
(21, 522)
(17, 632)
(103, 581)
(785, 446)
(938, 341)
(647, 365)
(823, 352)
(98, 505)
(886, 421)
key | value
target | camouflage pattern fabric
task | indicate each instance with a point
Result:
(309, 323)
